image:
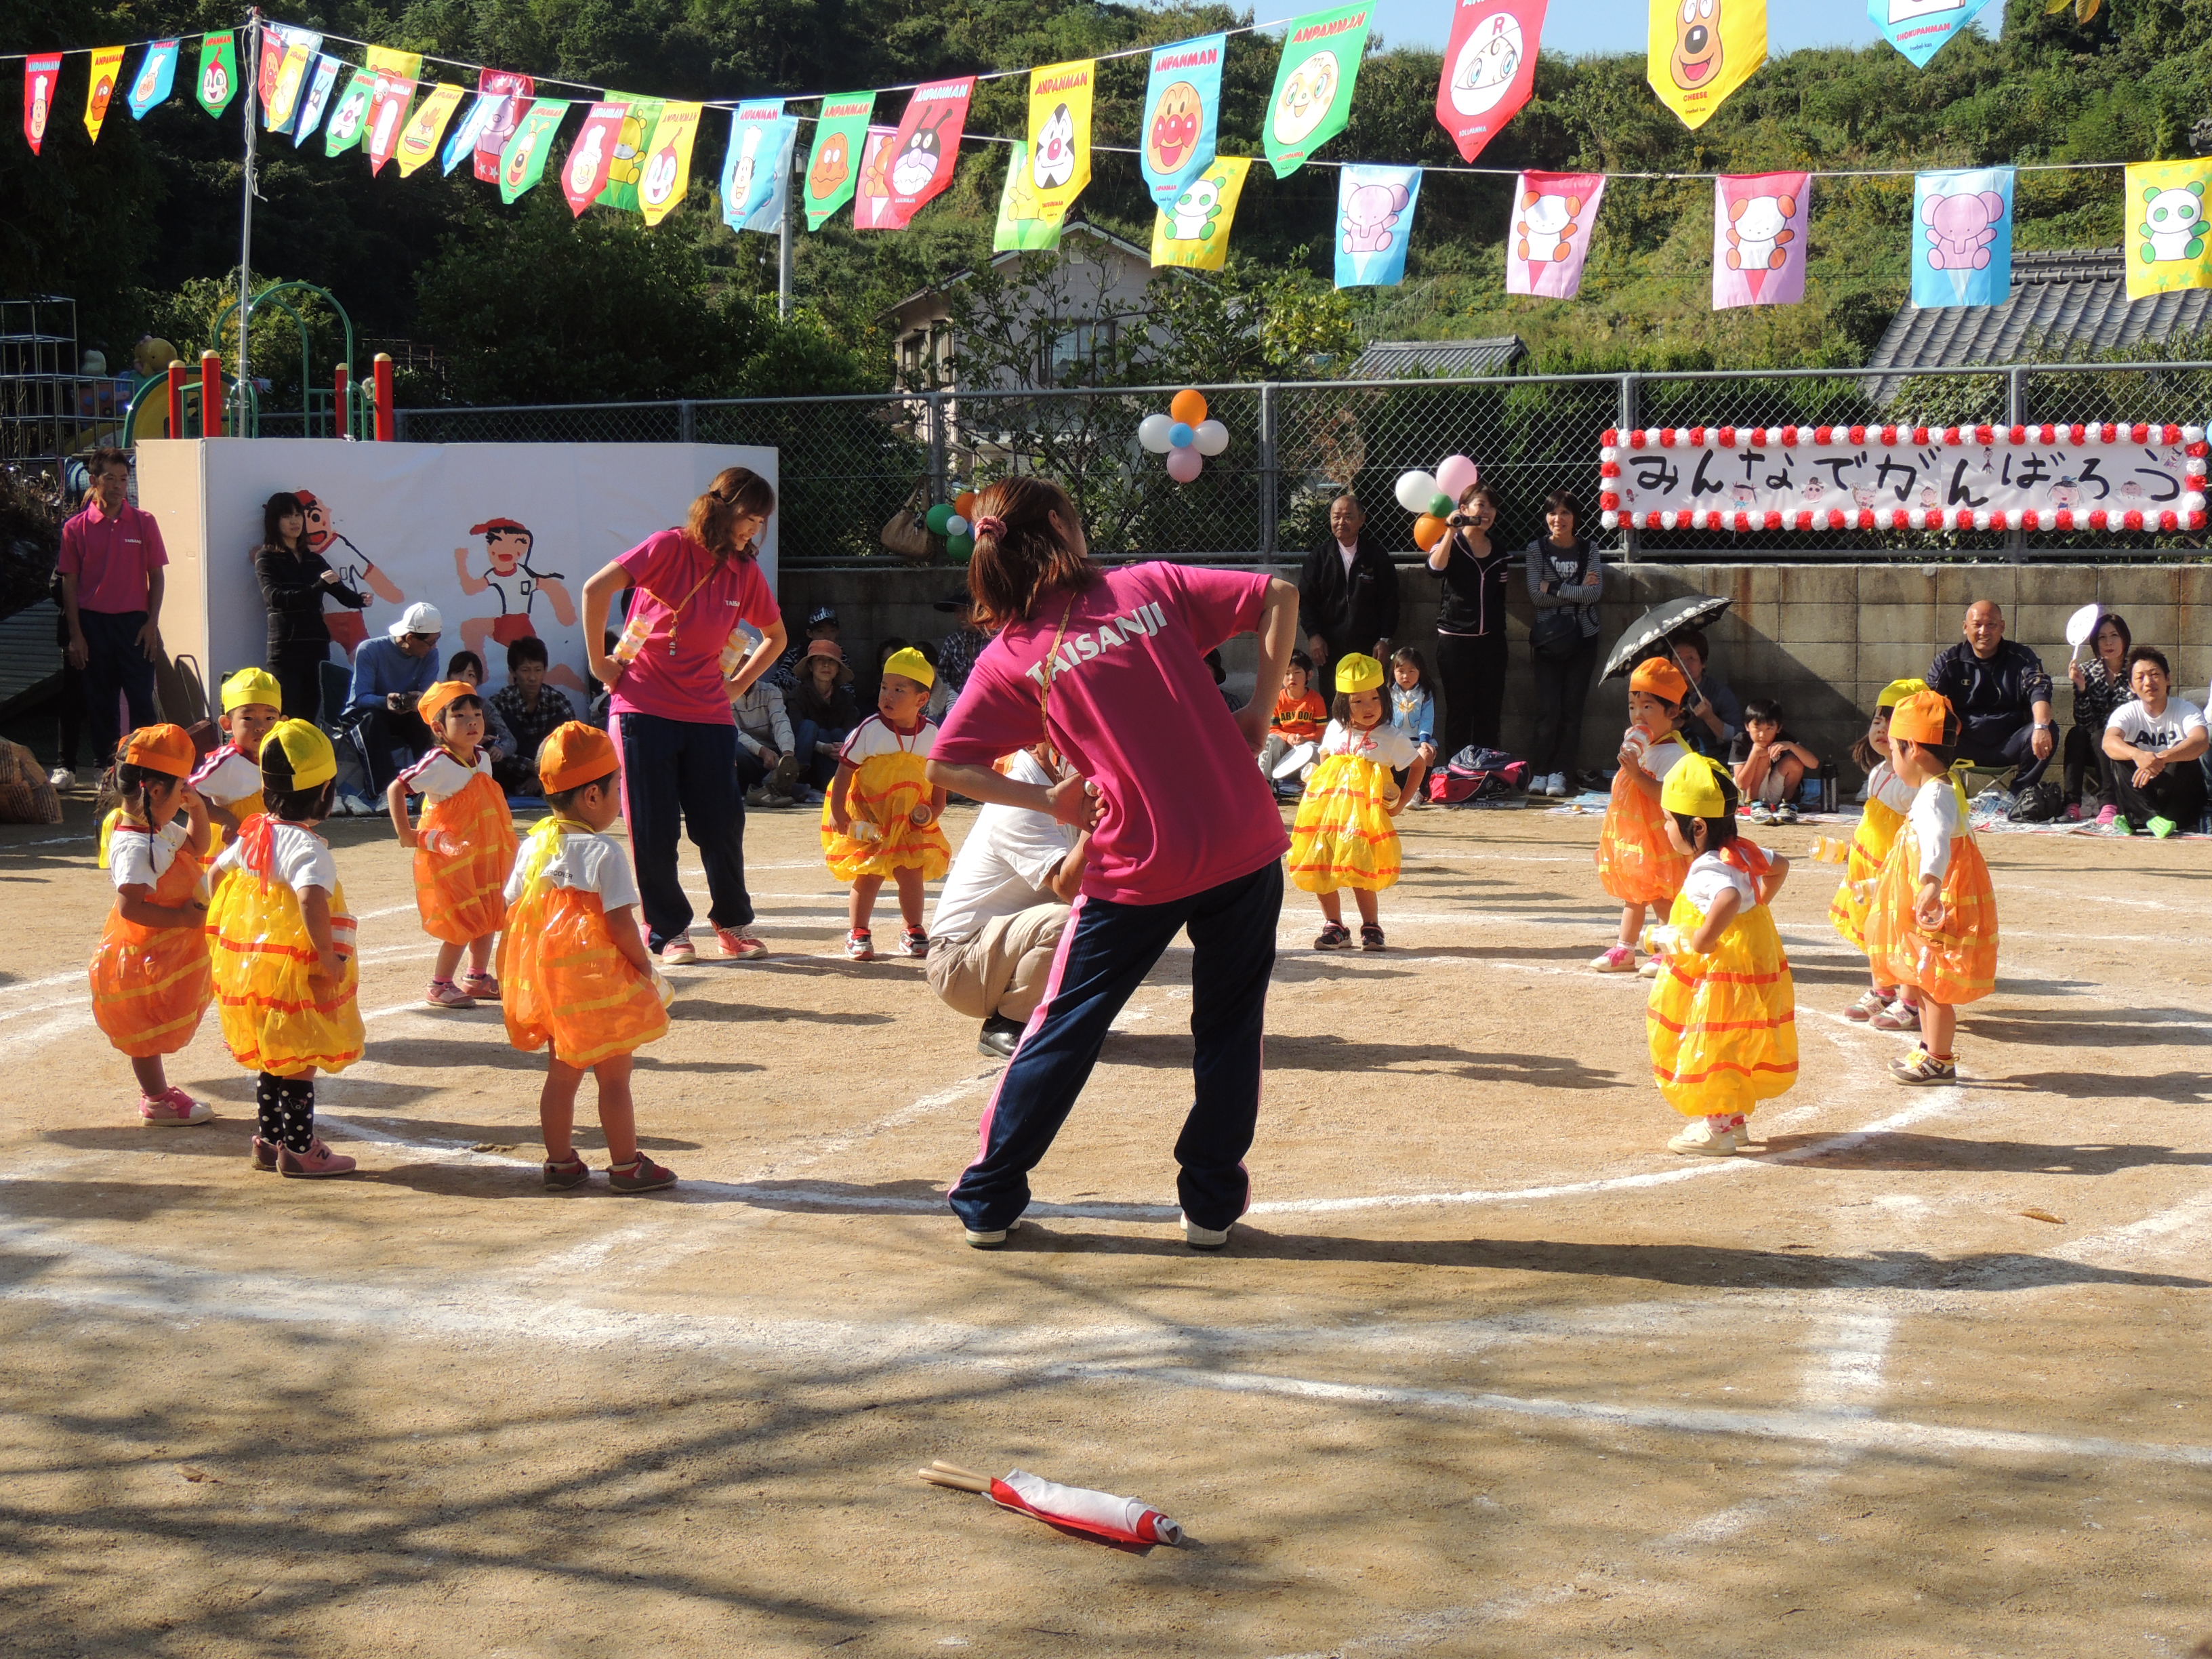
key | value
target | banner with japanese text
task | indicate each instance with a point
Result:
(628, 165)
(388, 100)
(510, 96)
(1921, 28)
(316, 99)
(350, 113)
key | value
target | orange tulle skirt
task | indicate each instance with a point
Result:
(151, 985)
(562, 981)
(464, 853)
(275, 1018)
(1724, 1027)
(881, 795)
(1345, 835)
(1871, 845)
(1636, 862)
(1953, 962)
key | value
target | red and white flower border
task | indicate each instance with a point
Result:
(2187, 513)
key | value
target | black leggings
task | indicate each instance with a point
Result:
(1562, 686)
(288, 1110)
(1471, 669)
(2085, 750)
(298, 667)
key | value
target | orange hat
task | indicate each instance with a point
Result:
(161, 748)
(1921, 717)
(574, 755)
(434, 701)
(1659, 677)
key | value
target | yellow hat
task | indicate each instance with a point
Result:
(295, 755)
(434, 702)
(1921, 717)
(912, 664)
(1896, 691)
(1357, 673)
(574, 755)
(251, 685)
(163, 748)
(1693, 788)
(1659, 677)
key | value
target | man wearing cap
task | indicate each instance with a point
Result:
(2000, 693)
(111, 569)
(389, 676)
(821, 624)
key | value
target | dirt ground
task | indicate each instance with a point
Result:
(1486, 1371)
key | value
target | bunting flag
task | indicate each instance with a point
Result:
(387, 103)
(523, 162)
(1022, 227)
(1554, 217)
(831, 165)
(1312, 99)
(107, 64)
(274, 38)
(157, 78)
(927, 149)
(297, 49)
(1759, 221)
(1701, 50)
(349, 114)
(1962, 237)
(316, 99)
(2165, 238)
(872, 190)
(1921, 28)
(628, 165)
(1490, 68)
(757, 170)
(1183, 115)
(591, 157)
(1060, 135)
(668, 162)
(41, 75)
(418, 139)
(218, 78)
(513, 94)
(1194, 233)
(1374, 216)
(468, 132)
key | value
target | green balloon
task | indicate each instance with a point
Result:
(1440, 504)
(960, 547)
(937, 517)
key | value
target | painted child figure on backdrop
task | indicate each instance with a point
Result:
(283, 957)
(150, 981)
(229, 780)
(465, 846)
(580, 982)
(507, 572)
(1722, 1019)
(881, 817)
(1889, 798)
(1637, 862)
(1347, 831)
(1932, 923)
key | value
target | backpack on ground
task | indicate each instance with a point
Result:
(1478, 774)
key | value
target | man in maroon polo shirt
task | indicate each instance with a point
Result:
(111, 583)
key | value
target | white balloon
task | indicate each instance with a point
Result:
(1152, 433)
(1416, 491)
(957, 526)
(1212, 437)
(1184, 465)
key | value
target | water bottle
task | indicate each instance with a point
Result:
(634, 634)
(1830, 849)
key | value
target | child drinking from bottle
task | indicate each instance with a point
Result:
(1637, 862)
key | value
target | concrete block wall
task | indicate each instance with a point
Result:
(1823, 638)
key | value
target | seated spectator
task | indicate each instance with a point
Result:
(1301, 714)
(389, 676)
(604, 695)
(767, 765)
(822, 713)
(1712, 719)
(2153, 742)
(2001, 696)
(1412, 706)
(1770, 764)
(529, 710)
(1219, 670)
(821, 624)
(1005, 903)
(2100, 686)
(498, 741)
(957, 651)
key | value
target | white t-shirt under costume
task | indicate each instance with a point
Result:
(1936, 821)
(872, 736)
(2142, 729)
(1393, 745)
(438, 775)
(1710, 875)
(226, 776)
(587, 863)
(1660, 759)
(1884, 785)
(299, 858)
(140, 858)
(1007, 864)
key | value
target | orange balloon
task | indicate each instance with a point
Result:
(1189, 407)
(964, 504)
(1428, 531)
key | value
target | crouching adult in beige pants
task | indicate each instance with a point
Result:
(1003, 908)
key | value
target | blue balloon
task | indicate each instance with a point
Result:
(1183, 434)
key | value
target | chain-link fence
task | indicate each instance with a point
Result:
(849, 464)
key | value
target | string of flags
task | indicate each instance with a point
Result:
(633, 153)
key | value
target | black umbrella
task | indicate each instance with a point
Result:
(1655, 625)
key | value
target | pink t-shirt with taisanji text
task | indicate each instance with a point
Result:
(1134, 707)
(687, 685)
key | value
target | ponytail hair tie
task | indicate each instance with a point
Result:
(990, 524)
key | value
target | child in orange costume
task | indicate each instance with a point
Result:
(1637, 861)
(578, 974)
(465, 848)
(881, 817)
(149, 973)
(1932, 924)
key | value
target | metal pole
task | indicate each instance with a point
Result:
(2016, 538)
(936, 447)
(1270, 505)
(250, 70)
(1625, 419)
(783, 244)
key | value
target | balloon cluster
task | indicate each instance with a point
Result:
(955, 521)
(1183, 435)
(1433, 496)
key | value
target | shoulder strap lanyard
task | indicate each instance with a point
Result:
(1051, 670)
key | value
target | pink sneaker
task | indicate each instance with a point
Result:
(680, 951)
(173, 1109)
(485, 987)
(444, 993)
(265, 1155)
(1617, 959)
(2106, 815)
(317, 1162)
(739, 947)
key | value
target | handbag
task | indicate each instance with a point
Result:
(904, 533)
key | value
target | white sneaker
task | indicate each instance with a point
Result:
(1203, 1238)
(990, 1239)
(1701, 1138)
(1649, 969)
(61, 778)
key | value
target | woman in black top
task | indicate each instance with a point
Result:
(293, 582)
(1565, 581)
(1471, 626)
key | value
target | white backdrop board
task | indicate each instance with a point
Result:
(397, 521)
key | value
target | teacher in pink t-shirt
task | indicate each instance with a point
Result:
(670, 702)
(1108, 667)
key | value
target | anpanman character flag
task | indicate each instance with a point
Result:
(418, 139)
(1183, 110)
(156, 77)
(832, 165)
(107, 64)
(41, 75)
(667, 173)
(1701, 50)
(1490, 68)
(218, 77)
(1060, 135)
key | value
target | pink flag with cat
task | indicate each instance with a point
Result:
(1554, 214)
(1759, 237)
